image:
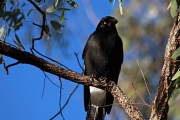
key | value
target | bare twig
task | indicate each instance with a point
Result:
(76, 54)
(145, 81)
(60, 96)
(37, 25)
(43, 24)
(10, 65)
(140, 96)
(51, 80)
(65, 103)
(51, 59)
(44, 85)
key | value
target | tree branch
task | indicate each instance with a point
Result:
(27, 58)
(166, 85)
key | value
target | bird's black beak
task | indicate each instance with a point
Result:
(114, 21)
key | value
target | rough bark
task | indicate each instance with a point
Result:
(27, 58)
(166, 85)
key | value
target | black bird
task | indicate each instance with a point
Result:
(103, 56)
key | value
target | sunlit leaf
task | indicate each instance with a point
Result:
(56, 3)
(176, 53)
(64, 9)
(176, 75)
(173, 9)
(169, 5)
(62, 17)
(1, 31)
(176, 84)
(120, 7)
(50, 8)
(30, 11)
(56, 25)
(19, 42)
(72, 4)
(174, 95)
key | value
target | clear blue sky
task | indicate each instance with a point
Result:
(21, 90)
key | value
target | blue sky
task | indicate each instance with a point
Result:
(21, 90)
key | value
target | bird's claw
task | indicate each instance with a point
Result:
(93, 77)
(102, 80)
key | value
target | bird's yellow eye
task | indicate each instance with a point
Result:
(105, 23)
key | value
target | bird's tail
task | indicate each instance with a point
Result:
(95, 113)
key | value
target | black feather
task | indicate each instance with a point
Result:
(103, 56)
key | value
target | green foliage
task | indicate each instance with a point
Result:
(64, 9)
(120, 7)
(173, 6)
(56, 25)
(174, 95)
(47, 30)
(62, 17)
(176, 75)
(19, 42)
(14, 18)
(72, 4)
(176, 53)
(51, 9)
(1, 31)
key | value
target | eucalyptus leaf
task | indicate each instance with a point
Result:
(120, 7)
(176, 75)
(56, 3)
(47, 30)
(30, 11)
(1, 31)
(50, 8)
(56, 25)
(176, 53)
(19, 42)
(169, 6)
(174, 95)
(62, 17)
(72, 4)
(173, 9)
(64, 9)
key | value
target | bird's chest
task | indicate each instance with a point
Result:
(106, 46)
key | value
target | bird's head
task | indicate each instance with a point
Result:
(107, 23)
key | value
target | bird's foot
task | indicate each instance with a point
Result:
(93, 77)
(102, 80)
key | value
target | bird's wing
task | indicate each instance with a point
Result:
(86, 88)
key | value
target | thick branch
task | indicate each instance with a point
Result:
(27, 58)
(166, 85)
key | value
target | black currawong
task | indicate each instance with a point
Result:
(103, 57)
